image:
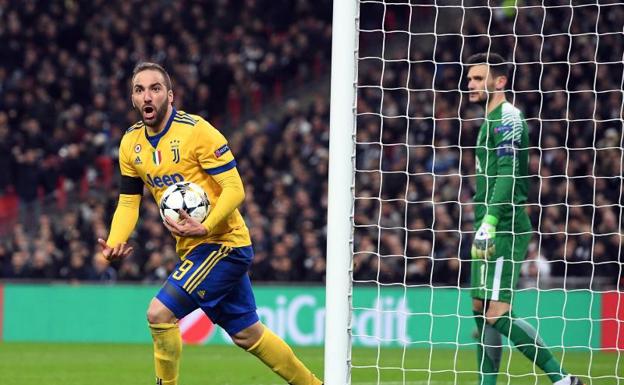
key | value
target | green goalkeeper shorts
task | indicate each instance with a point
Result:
(496, 278)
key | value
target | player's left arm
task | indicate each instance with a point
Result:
(232, 195)
(507, 141)
(215, 157)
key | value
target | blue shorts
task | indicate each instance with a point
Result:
(214, 278)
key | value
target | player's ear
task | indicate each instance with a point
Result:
(500, 82)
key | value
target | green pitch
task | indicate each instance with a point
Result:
(105, 364)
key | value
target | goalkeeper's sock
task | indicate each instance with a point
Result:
(525, 337)
(278, 356)
(167, 351)
(489, 350)
(564, 381)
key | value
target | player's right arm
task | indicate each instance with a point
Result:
(127, 213)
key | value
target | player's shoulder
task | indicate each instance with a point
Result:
(203, 125)
(135, 127)
(133, 132)
(187, 119)
(193, 120)
(511, 113)
(132, 137)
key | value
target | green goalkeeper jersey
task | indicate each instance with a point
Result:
(502, 165)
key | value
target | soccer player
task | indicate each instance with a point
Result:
(503, 228)
(165, 147)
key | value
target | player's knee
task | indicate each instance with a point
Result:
(491, 318)
(157, 313)
(493, 315)
(477, 305)
(248, 337)
(242, 341)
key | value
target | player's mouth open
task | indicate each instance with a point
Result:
(149, 112)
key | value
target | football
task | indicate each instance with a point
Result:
(185, 196)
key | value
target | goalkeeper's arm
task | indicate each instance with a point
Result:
(501, 198)
(502, 195)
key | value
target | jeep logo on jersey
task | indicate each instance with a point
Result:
(165, 180)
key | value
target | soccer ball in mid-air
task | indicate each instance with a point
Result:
(185, 196)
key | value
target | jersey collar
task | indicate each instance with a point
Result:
(156, 138)
(495, 110)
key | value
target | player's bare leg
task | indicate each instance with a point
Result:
(260, 341)
(167, 342)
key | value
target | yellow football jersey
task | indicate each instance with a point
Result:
(187, 149)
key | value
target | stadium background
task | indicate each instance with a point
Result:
(259, 71)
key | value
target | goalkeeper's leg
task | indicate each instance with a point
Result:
(525, 338)
(274, 353)
(489, 347)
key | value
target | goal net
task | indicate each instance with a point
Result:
(405, 293)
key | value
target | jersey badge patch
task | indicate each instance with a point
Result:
(503, 128)
(157, 157)
(175, 149)
(221, 150)
(507, 148)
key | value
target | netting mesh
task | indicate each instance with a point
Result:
(414, 182)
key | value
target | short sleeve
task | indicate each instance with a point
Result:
(125, 163)
(212, 151)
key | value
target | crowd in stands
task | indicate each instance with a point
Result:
(64, 106)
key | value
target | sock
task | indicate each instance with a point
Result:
(278, 356)
(167, 350)
(564, 381)
(489, 351)
(525, 337)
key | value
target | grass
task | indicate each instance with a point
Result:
(123, 364)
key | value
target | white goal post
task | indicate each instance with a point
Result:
(340, 193)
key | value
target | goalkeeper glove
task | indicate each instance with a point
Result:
(483, 245)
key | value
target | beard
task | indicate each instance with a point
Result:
(482, 98)
(158, 115)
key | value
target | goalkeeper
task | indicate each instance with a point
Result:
(503, 228)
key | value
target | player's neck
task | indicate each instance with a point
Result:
(496, 100)
(151, 131)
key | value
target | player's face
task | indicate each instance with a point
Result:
(480, 83)
(150, 97)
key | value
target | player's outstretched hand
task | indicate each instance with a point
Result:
(120, 251)
(187, 227)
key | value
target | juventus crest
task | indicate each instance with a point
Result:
(175, 148)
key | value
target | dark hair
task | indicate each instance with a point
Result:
(498, 65)
(145, 65)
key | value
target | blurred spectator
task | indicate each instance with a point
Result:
(536, 267)
(101, 271)
(19, 266)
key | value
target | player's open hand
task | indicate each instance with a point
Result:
(186, 227)
(120, 251)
